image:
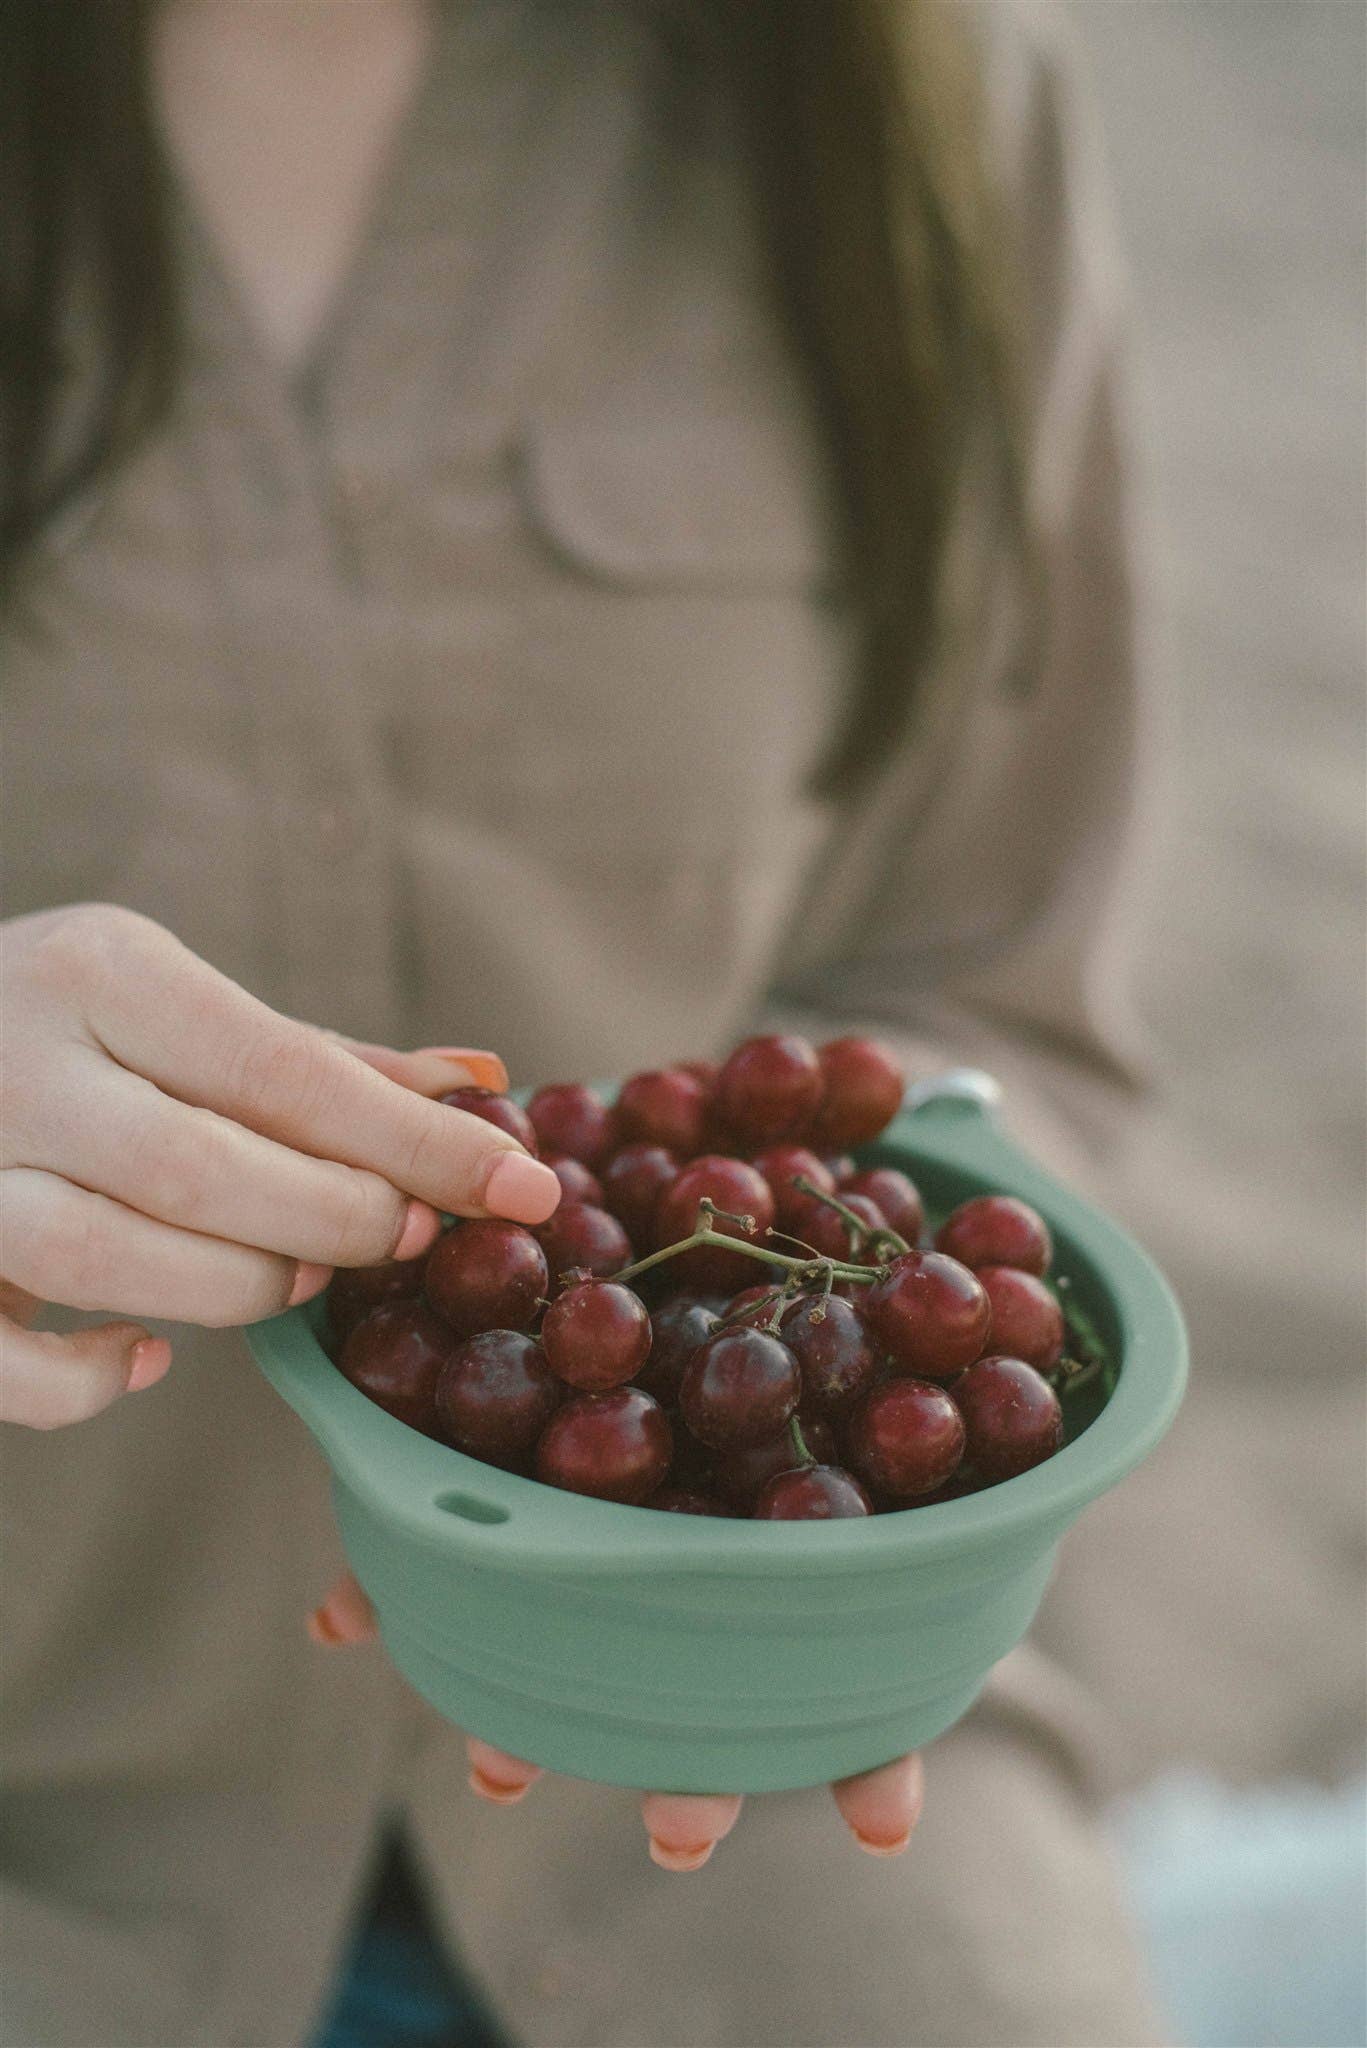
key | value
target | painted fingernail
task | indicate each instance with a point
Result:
(308, 1281)
(497, 1793)
(670, 1856)
(872, 1846)
(421, 1228)
(322, 1628)
(485, 1069)
(149, 1361)
(521, 1189)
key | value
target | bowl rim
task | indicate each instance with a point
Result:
(437, 1496)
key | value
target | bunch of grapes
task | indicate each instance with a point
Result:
(725, 1315)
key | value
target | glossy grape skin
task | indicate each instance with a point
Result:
(781, 1165)
(486, 1275)
(614, 1446)
(596, 1335)
(997, 1230)
(740, 1386)
(494, 1396)
(930, 1313)
(355, 1290)
(634, 1179)
(812, 1493)
(906, 1438)
(499, 1110)
(816, 1224)
(744, 1308)
(768, 1088)
(1027, 1321)
(665, 1108)
(394, 1355)
(682, 1500)
(864, 1085)
(841, 1166)
(836, 1355)
(733, 1186)
(678, 1328)
(1012, 1417)
(896, 1196)
(577, 1182)
(570, 1118)
(580, 1234)
(737, 1476)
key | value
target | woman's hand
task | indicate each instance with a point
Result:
(173, 1148)
(880, 1808)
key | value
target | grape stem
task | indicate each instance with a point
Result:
(814, 1269)
(862, 1230)
(799, 1441)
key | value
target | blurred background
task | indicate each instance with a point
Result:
(1234, 136)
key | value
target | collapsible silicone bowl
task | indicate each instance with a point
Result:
(693, 1654)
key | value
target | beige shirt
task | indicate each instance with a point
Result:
(466, 683)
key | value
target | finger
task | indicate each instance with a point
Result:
(124, 1138)
(434, 1069)
(65, 1244)
(496, 1776)
(346, 1616)
(206, 1041)
(880, 1808)
(685, 1827)
(48, 1381)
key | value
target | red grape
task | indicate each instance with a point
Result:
(898, 1198)
(1012, 1417)
(499, 1110)
(664, 1108)
(633, 1181)
(1027, 1321)
(596, 1335)
(738, 1475)
(615, 1446)
(678, 1329)
(769, 1087)
(739, 1387)
(569, 1117)
(835, 1355)
(812, 1493)
(355, 1290)
(930, 1312)
(816, 1224)
(744, 1309)
(394, 1356)
(997, 1230)
(781, 1165)
(864, 1085)
(579, 1234)
(495, 1395)
(705, 1071)
(577, 1182)
(907, 1438)
(682, 1500)
(732, 1186)
(841, 1166)
(486, 1275)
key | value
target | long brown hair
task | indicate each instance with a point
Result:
(866, 141)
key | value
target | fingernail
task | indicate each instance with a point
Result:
(421, 1228)
(308, 1281)
(149, 1361)
(485, 1069)
(521, 1189)
(873, 1847)
(496, 1793)
(323, 1628)
(672, 1858)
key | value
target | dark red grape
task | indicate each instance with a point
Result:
(679, 1328)
(1027, 1321)
(997, 1230)
(768, 1088)
(355, 1290)
(577, 1182)
(732, 1186)
(394, 1355)
(615, 1446)
(570, 1118)
(682, 1500)
(486, 1275)
(864, 1085)
(663, 1108)
(781, 1165)
(812, 1493)
(745, 1308)
(738, 1475)
(580, 1235)
(739, 1387)
(930, 1313)
(897, 1197)
(633, 1181)
(816, 1224)
(596, 1335)
(905, 1439)
(835, 1354)
(499, 1110)
(1012, 1417)
(495, 1395)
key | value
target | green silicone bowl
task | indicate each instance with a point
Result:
(691, 1654)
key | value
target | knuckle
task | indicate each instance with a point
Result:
(56, 1246)
(172, 1176)
(79, 947)
(284, 1066)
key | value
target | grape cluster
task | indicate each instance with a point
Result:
(725, 1315)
